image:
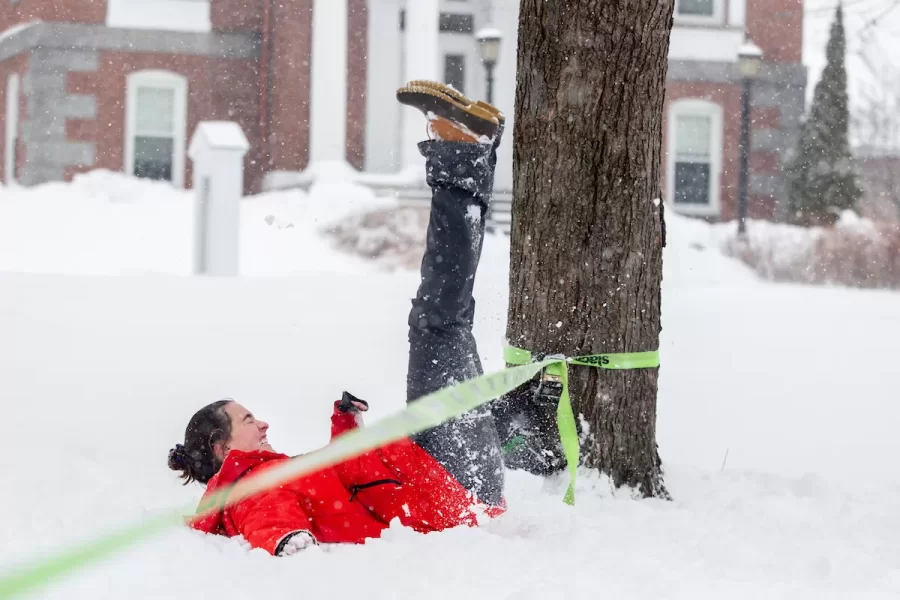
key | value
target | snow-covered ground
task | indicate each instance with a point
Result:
(107, 348)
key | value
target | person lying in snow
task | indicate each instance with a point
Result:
(446, 475)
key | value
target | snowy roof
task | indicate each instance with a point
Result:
(748, 48)
(221, 135)
(488, 32)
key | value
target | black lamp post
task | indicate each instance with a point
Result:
(749, 64)
(489, 40)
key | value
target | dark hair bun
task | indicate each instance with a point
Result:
(196, 458)
(178, 458)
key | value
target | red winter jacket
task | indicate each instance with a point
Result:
(349, 502)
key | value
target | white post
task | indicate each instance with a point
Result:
(217, 151)
(328, 94)
(383, 76)
(422, 62)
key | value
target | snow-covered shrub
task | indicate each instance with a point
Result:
(854, 252)
(394, 237)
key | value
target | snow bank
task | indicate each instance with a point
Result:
(391, 237)
(107, 223)
(98, 376)
(855, 252)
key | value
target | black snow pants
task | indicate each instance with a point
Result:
(442, 348)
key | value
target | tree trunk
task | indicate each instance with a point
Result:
(588, 231)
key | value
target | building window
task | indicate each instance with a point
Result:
(448, 22)
(455, 71)
(695, 156)
(156, 124)
(192, 15)
(700, 8)
(693, 159)
(456, 23)
(11, 137)
(700, 12)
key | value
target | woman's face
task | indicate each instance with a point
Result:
(247, 432)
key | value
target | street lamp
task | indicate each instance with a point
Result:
(489, 40)
(749, 64)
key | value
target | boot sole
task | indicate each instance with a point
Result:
(458, 96)
(443, 88)
(443, 105)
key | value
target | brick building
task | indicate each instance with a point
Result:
(703, 104)
(701, 132)
(121, 85)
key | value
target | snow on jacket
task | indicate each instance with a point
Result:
(347, 503)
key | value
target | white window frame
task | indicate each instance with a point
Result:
(696, 107)
(190, 15)
(717, 18)
(162, 80)
(11, 133)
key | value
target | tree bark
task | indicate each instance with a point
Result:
(588, 231)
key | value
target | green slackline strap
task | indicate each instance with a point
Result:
(565, 417)
(424, 413)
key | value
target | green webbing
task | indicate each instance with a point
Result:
(417, 416)
(565, 418)
(427, 412)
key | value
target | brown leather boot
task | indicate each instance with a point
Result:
(458, 96)
(451, 116)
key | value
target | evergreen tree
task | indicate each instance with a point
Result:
(821, 179)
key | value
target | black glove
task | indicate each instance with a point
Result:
(350, 403)
(295, 542)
